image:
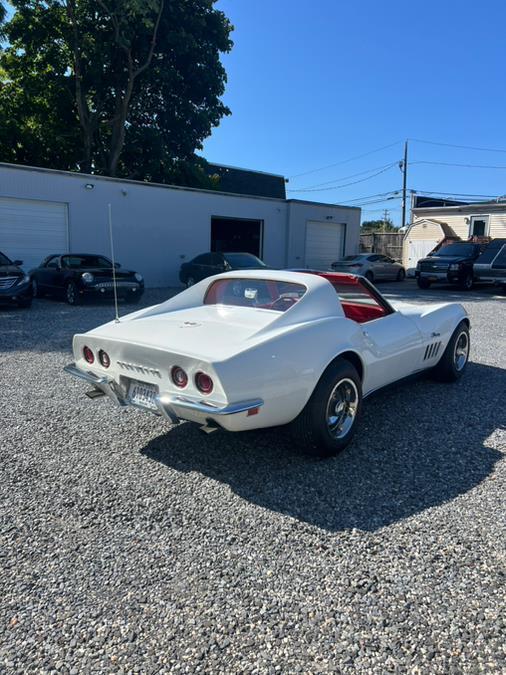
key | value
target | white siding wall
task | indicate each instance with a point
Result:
(157, 227)
(457, 220)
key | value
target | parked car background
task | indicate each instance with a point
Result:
(75, 276)
(207, 264)
(450, 264)
(372, 266)
(15, 285)
(491, 264)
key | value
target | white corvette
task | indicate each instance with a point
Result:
(265, 348)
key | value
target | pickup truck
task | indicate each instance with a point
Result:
(451, 264)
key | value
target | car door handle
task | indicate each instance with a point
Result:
(435, 334)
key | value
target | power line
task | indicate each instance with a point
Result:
(345, 161)
(452, 145)
(329, 182)
(379, 194)
(469, 166)
(338, 187)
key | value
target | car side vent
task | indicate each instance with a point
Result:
(432, 351)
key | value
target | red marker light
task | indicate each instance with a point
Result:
(88, 355)
(204, 383)
(179, 377)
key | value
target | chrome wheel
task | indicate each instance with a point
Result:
(189, 282)
(342, 408)
(71, 294)
(461, 352)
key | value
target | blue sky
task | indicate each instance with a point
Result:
(313, 84)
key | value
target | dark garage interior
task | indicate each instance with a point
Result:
(236, 235)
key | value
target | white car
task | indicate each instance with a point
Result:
(260, 348)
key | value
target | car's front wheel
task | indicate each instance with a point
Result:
(423, 283)
(328, 421)
(36, 292)
(452, 364)
(72, 294)
(467, 282)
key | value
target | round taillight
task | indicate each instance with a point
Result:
(204, 383)
(88, 355)
(104, 359)
(179, 377)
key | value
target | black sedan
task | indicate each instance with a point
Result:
(15, 285)
(207, 264)
(78, 275)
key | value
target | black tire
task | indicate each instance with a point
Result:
(190, 281)
(25, 303)
(401, 274)
(311, 429)
(72, 294)
(467, 282)
(423, 283)
(369, 276)
(455, 357)
(36, 292)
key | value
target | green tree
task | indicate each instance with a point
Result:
(378, 226)
(115, 87)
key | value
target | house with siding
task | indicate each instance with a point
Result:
(436, 220)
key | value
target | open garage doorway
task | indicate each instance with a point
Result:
(237, 235)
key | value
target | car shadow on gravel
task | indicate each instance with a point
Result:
(418, 446)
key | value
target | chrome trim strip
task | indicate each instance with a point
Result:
(207, 408)
(105, 384)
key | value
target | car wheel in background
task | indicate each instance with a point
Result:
(369, 276)
(423, 283)
(190, 282)
(328, 421)
(452, 364)
(401, 275)
(36, 292)
(72, 294)
(466, 283)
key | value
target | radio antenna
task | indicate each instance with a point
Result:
(113, 267)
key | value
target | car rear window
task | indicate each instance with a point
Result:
(270, 294)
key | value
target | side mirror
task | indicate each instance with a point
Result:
(17, 262)
(117, 265)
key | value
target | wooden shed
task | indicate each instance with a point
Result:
(421, 238)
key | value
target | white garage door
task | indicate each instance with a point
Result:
(324, 243)
(31, 229)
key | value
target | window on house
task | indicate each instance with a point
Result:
(478, 226)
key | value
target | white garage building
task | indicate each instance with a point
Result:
(157, 227)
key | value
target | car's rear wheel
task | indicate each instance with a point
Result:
(369, 276)
(423, 283)
(36, 292)
(467, 282)
(72, 294)
(401, 275)
(452, 364)
(190, 282)
(328, 421)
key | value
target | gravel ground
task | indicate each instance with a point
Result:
(128, 546)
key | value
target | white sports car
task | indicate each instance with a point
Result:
(261, 348)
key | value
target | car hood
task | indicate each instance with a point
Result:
(11, 271)
(445, 259)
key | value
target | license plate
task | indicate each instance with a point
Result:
(143, 394)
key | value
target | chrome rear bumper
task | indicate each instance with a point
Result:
(170, 406)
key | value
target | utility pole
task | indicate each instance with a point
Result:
(404, 169)
(385, 220)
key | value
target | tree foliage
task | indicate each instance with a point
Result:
(114, 87)
(378, 226)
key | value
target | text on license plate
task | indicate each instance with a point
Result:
(143, 393)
